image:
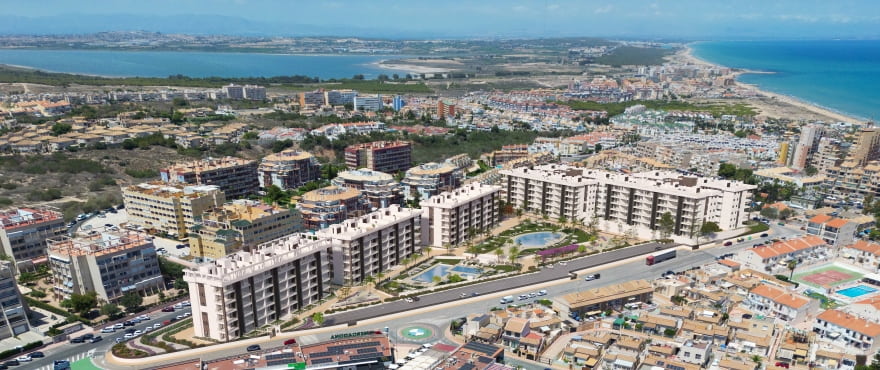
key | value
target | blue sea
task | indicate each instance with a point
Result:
(842, 75)
(195, 64)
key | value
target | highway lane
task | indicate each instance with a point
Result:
(423, 313)
(73, 350)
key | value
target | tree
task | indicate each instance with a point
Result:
(474, 250)
(513, 253)
(59, 129)
(709, 228)
(791, 266)
(83, 303)
(811, 171)
(770, 212)
(131, 301)
(678, 300)
(597, 148)
(666, 225)
(109, 310)
(318, 318)
(499, 253)
(727, 170)
(786, 213)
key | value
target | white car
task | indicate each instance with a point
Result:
(108, 329)
(408, 300)
(129, 335)
(157, 325)
(24, 358)
(137, 332)
(119, 326)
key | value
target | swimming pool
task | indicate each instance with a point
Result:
(442, 270)
(538, 239)
(856, 291)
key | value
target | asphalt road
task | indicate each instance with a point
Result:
(74, 350)
(441, 317)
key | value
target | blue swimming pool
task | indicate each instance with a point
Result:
(856, 291)
(442, 270)
(539, 239)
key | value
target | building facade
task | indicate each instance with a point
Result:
(593, 302)
(288, 169)
(235, 176)
(169, 208)
(242, 224)
(330, 205)
(241, 292)
(109, 263)
(383, 156)
(13, 315)
(429, 179)
(378, 188)
(451, 218)
(373, 243)
(23, 234)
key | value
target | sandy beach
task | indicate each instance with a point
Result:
(409, 68)
(774, 104)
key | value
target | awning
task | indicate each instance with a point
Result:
(801, 353)
(593, 313)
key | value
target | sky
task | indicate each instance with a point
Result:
(660, 19)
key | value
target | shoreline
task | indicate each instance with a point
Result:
(811, 107)
(408, 68)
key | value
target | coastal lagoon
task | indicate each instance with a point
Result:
(841, 75)
(196, 64)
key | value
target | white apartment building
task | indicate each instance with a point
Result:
(243, 291)
(774, 301)
(854, 331)
(621, 202)
(14, 312)
(373, 243)
(449, 218)
(169, 208)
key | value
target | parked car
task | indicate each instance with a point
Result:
(137, 332)
(727, 244)
(181, 246)
(76, 340)
(129, 335)
(108, 329)
(168, 309)
(764, 235)
(463, 295)
(253, 347)
(12, 363)
(289, 342)
(542, 292)
(157, 325)
(408, 300)
(37, 354)
(24, 358)
(96, 339)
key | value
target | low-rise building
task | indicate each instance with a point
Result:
(169, 208)
(373, 243)
(854, 331)
(288, 169)
(235, 176)
(236, 294)
(23, 234)
(758, 258)
(242, 224)
(774, 301)
(378, 188)
(382, 156)
(835, 231)
(451, 218)
(14, 313)
(863, 253)
(330, 205)
(109, 263)
(593, 302)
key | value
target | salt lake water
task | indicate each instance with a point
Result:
(838, 74)
(195, 64)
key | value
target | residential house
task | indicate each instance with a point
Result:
(835, 231)
(863, 254)
(774, 301)
(777, 254)
(853, 331)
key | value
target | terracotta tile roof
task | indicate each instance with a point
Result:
(533, 339)
(851, 322)
(873, 301)
(780, 296)
(820, 219)
(729, 263)
(516, 325)
(866, 246)
(786, 247)
(837, 223)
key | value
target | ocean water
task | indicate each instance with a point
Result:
(195, 64)
(842, 75)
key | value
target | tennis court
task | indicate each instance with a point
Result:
(828, 276)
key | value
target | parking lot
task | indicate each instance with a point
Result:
(101, 221)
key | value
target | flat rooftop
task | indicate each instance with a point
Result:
(22, 217)
(209, 164)
(98, 244)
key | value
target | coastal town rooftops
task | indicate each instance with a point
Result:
(354, 228)
(208, 164)
(850, 322)
(462, 195)
(262, 258)
(98, 244)
(331, 194)
(782, 248)
(288, 155)
(14, 218)
(365, 175)
(821, 219)
(602, 294)
(780, 296)
(242, 209)
(164, 189)
(432, 168)
(378, 145)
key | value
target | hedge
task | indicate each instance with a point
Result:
(12, 352)
(57, 311)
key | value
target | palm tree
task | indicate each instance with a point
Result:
(678, 300)
(499, 253)
(513, 253)
(791, 266)
(473, 249)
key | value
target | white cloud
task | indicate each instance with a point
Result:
(520, 8)
(604, 9)
(553, 6)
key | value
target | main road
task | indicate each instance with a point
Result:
(426, 310)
